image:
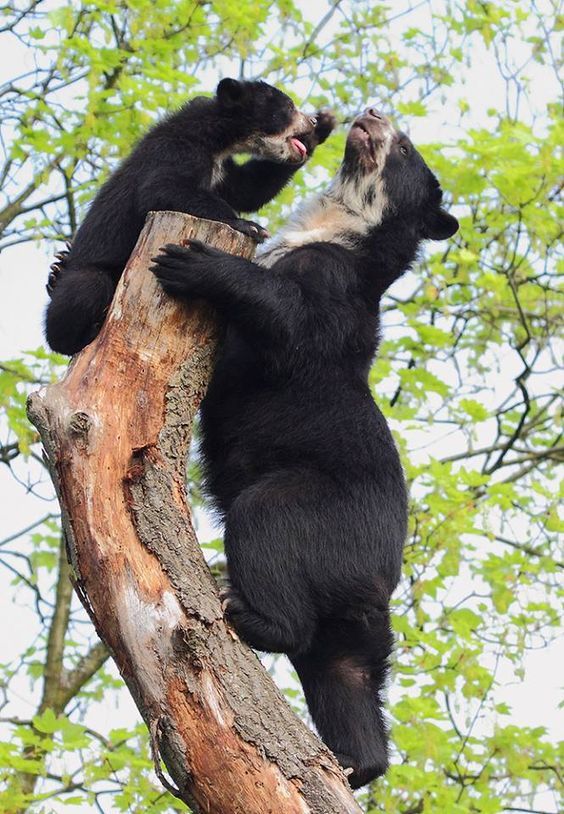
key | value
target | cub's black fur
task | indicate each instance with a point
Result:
(299, 459)
(183, 164)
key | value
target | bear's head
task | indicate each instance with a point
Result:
(271, 126)
(383, 177)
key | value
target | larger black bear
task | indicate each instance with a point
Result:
(298, 458)
(184, 163)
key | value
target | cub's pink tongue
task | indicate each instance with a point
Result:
(300, 147)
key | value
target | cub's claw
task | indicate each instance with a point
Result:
(51, 282)
(57, 267)
(52, 278)
(250, 228)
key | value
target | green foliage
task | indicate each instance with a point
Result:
(466, 372)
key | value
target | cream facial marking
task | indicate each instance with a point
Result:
(285, 146)
(353, 203)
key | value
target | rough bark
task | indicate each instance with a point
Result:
(116, 432)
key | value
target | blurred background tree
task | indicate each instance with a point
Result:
(467, 373)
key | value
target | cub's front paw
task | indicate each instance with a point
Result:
(250, 228)
(326, 123)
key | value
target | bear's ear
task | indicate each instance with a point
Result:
(438, 225)
(230, 92)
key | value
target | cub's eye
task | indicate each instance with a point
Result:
(403, 149)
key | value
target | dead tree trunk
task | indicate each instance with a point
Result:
(116, 432)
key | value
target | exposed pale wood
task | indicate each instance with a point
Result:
(116, 432)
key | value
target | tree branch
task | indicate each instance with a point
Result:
(15, 208)
(74, 680)
(56, 638)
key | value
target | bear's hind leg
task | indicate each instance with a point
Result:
(79, 301)
(343, 676)
(269, 602)
(270, 634)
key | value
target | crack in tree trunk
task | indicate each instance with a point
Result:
(116, 432)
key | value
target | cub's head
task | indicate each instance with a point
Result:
(271, 126)
(383, 177)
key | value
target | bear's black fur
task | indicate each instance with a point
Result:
(184, 163)
(299, 459)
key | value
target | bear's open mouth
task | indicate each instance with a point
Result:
(367, 139)
(298, 146)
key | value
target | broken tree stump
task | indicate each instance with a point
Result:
(116, 432)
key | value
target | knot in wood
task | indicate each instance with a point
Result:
(79, 426)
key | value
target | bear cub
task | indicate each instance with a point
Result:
(298, 458)
(184, 164)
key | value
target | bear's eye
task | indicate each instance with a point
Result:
(403, 149)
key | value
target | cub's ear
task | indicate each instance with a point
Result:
(230, 92)
(438, 225)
